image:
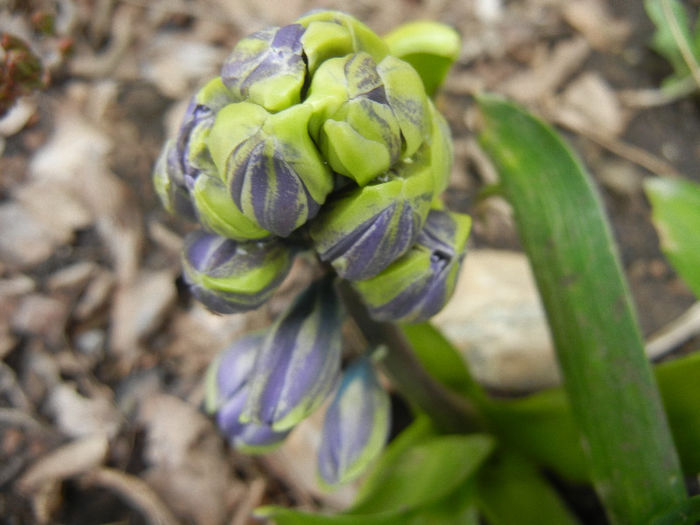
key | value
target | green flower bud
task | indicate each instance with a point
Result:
(192, 151)
(271, 166)
(218, 213)
(231, 277)
(356, 425)
(441, 151)
(430, 47)
(367, 115)
(363, 230)
(169, 183)
(416, 286)
(324, 42)
(268, 68)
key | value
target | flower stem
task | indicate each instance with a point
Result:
(449, 411)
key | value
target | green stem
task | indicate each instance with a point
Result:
(449, 411)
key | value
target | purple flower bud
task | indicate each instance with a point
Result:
(229, 276)
(226, 393)
(356, 425)
(268, 67)
(299, 361)
(417, 285)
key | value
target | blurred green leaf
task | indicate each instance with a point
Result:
(680, 388)
(676, 215)
(442, 360)
(286, 516)
(673, 33)
(608, 380)
(685, 513)
(423, 473)
(511, 491)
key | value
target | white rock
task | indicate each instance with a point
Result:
(496, 320)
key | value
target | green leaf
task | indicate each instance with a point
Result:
(672, 31)
(686, 513)
(423, 473)
(680, 389)
(285, 516)
(430, 47)
(511, 491)
(458, 508)
(607, 377)
(441, 359)
(676, 215)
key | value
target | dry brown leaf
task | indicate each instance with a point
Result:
(67, 461)
(592, 18)
(543, 79)
(80, 416)
(135, 492)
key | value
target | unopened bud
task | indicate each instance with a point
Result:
(229, 276)
(364, 230)
(272, 168)
(356, 425)
(417, 286)
(299, 360)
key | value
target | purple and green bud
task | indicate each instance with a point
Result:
(336, 34)
(274, 173)
(226, 392)
(356, 425)
(267, 68)
(441, 152)
(218, 213)
(169, 183)
(367, 115)
(231, 277)
(193, 153)
(299, 361)
(364, 230)
(418, 285)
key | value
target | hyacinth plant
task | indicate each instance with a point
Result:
(317, 137)
(321, 139)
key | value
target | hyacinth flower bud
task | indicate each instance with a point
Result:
(356, 425)
(231, 277)
(417, 286)
(336, 34)
(192, 151)
(218, 213)
(273, 171)
(169, 183)
(365, 229)
(268, 68)
(226, 393)
(441, 152)
(299, 361)
(367, 115)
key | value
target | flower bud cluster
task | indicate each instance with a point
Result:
(314, 137)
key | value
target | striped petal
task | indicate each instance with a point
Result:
(274, 172)
(268, 67)
(299, 361)
(192, 152)
(231, 277)
(364, 230)
(418, 285)
(356, 425)
(169, 183)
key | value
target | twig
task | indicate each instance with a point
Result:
(649, 98)
(450, 412)
(675, 333)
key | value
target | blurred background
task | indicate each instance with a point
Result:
(102, 350)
